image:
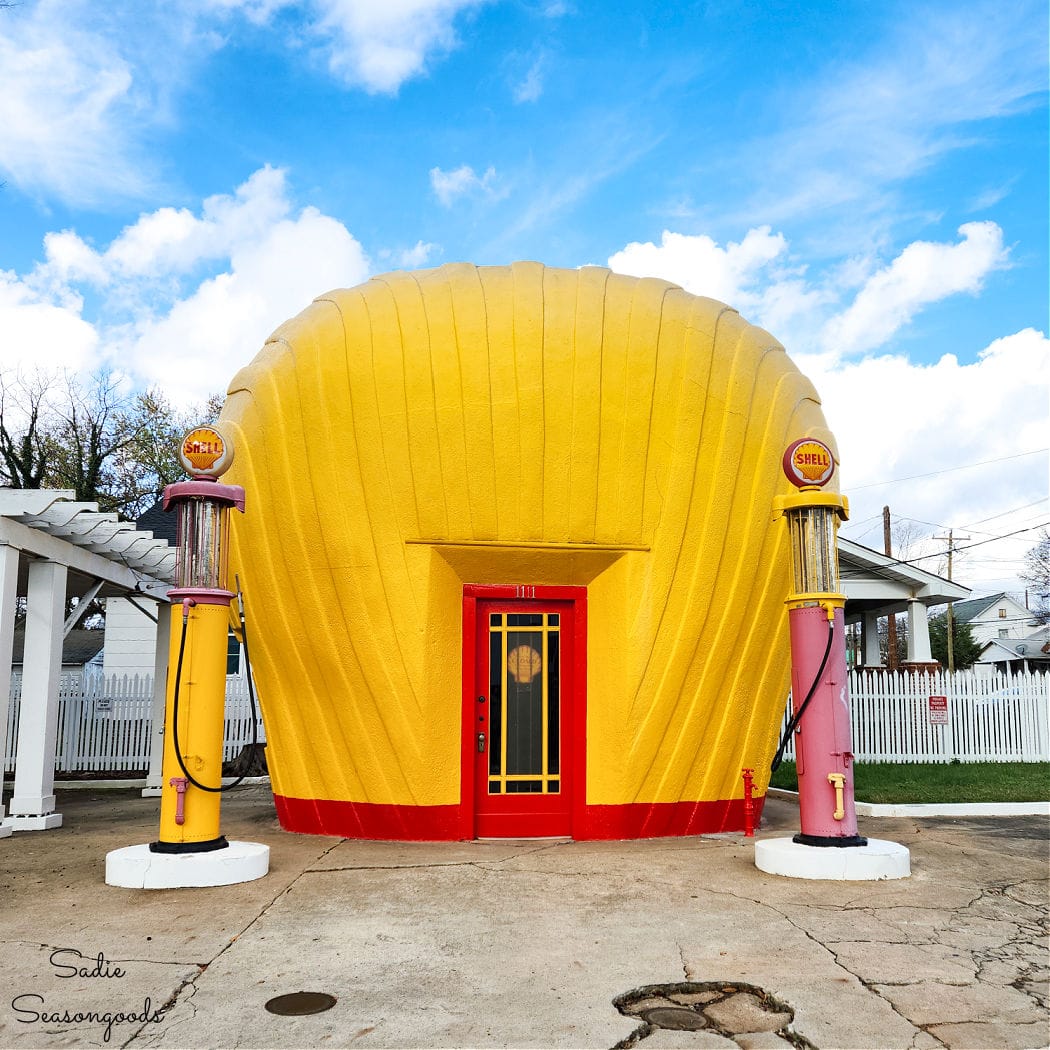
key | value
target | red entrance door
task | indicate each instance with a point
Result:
(521, 719)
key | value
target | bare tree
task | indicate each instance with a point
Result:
(26, 430)
(109, 445)
(1037, 575)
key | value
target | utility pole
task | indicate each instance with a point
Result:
(891, 620)
(951, 605)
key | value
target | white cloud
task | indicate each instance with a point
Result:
(171, 241)
(923, 273)
(42, 332)
(197, 346)
(412, 258)
(372, 44)
(754, 276)
(530, 87)
(380, 45)
(259, 12)
(757, 277)
(448, 186)
(68, 103)
(180, 299)
(895, 419)
(82, 91)
(700, 265)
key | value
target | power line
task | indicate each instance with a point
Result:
(1003, 514)
(980, 543)
(948, 470)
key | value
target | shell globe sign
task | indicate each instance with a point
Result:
(511, 565)
(809, 463)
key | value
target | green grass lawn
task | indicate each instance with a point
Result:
(886, 782)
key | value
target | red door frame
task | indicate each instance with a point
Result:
(575, 754)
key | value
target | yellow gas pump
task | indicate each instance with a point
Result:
(190, 849)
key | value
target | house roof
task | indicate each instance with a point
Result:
(78, 647)
(1035, 648)
(964, 612)
(162, 523)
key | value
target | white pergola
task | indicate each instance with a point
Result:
(53, 548)
(877, 585)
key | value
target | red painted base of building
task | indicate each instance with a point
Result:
(639, 820)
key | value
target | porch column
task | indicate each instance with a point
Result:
(869, 637)
(918, 634)
(8, 594)
(33, 803)
(154, 779)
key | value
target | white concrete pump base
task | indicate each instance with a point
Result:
(877, 860)
(136, 868)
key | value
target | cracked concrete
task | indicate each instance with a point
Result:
(500, 944)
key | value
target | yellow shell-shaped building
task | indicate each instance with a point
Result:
(510, 556)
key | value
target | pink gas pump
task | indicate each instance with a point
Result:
(828, 845)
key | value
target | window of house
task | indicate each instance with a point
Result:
(1002, 614)
(1003, 632)
(233, 654)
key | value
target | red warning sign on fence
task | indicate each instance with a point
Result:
(938, 710)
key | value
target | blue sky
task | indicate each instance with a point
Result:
(868, 181)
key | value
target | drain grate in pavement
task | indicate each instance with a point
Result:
(299, 1004)
(728, 1009)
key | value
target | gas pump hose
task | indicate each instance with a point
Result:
(175, 700)
(797, 717)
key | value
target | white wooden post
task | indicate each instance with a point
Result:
(33, 803)
(8, 595)
(869, 636)
(918, 634)
(154, 780)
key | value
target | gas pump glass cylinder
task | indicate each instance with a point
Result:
(813, 532)
(203, 544)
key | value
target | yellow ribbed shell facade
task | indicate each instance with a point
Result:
(517, 425)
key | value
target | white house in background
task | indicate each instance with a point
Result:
(1031, 653)
(997, 617)
(131, 639)
(131, 636)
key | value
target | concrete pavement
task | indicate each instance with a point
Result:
(525, 944)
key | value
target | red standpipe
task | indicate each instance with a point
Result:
(749, 802)
(179, 784)
(823, 740)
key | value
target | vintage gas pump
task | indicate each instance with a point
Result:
(828, 846)
(190, 850)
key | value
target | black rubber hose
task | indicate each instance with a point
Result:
(175, 713)
(797, 717)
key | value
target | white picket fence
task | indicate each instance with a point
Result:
(1001, 718)
(105, 723)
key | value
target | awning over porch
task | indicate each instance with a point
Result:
(877, 585)
(53, 549)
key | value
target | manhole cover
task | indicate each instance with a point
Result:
(677, 1018)
(298, 1004)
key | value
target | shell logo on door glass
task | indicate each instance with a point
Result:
(524, 663)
